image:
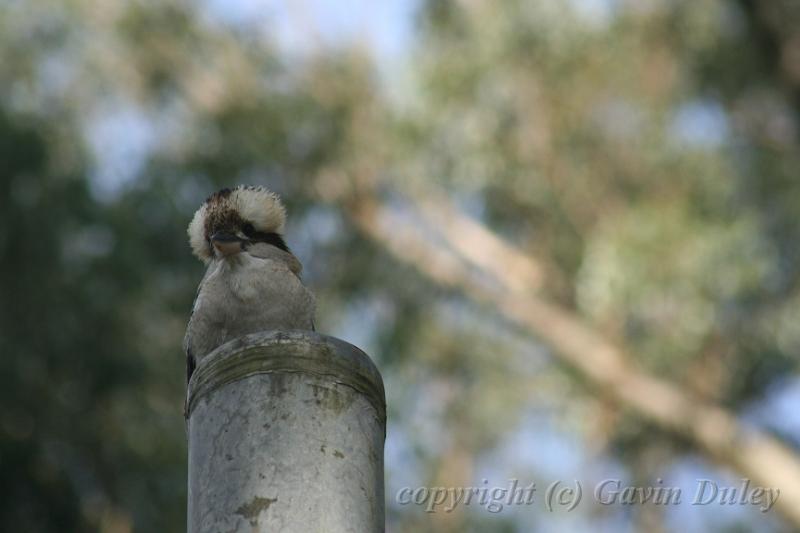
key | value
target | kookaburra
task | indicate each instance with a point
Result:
(252, 282)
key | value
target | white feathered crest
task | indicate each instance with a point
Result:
(254, 204)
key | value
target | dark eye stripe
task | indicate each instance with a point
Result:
(270, 238)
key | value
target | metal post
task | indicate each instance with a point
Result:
(286, 433)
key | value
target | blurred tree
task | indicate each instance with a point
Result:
(644, 154)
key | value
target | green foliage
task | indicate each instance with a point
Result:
(570, 134)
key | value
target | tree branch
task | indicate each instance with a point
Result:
(715, 430)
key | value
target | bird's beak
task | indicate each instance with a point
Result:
(226, 243)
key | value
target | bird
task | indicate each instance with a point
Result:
(252, 281)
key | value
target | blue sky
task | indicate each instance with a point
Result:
(300, 26)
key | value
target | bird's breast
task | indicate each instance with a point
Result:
(261, 295)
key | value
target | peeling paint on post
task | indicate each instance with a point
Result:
(286, 433)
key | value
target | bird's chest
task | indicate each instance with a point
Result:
(246, 286)
(244, 292)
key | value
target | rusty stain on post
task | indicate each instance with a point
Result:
(286, 433)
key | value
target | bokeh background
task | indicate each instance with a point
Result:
(566, 231)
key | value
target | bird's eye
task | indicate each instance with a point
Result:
(248, 229)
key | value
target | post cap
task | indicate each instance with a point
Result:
(288, 351)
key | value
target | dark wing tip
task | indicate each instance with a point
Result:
(191, 364)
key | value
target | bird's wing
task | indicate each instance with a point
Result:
(267, 251)
(191, 362)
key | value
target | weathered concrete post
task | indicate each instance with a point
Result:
(286, 434)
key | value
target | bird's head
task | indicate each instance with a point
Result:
(232, 219)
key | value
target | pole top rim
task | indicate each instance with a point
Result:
(289, 351)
